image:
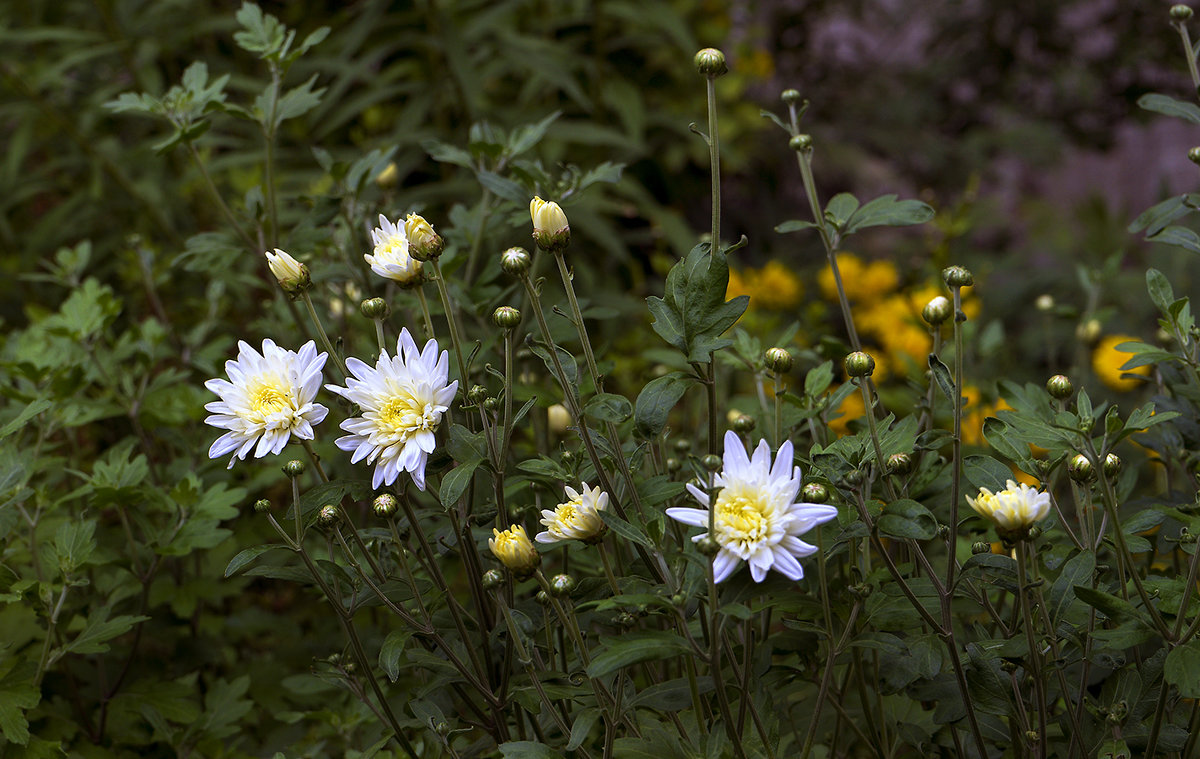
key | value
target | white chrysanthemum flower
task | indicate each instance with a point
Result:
(757, 517)
(577, 519)
(1013, 509)
(267, 399)
(292, 275)
(391, 257)
(402, 400)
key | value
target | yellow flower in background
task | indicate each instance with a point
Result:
(862, 281)
(774, 287)
(851, 409)
(1107, 362)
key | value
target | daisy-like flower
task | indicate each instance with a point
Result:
(577, 519)
(267, 399)
(513, 549)
(391, 257)
(757, 518)
(402, 400)
(550, 228)
(423, 242)
(1014, 509)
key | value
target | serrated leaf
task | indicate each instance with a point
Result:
(693, 312)
(22, 418)
(99, 630)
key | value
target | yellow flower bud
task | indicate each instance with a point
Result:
(515, 551)
(292, 275)
(550, 228)
(423, 242)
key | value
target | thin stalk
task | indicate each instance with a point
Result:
(826, 680)
(1035, 656)
(956, 455)
(887, 483)
(51, 625)
(428, 320)
(780, 385)
(1189, 55)
(1193, 566)
(452, 321)
(325, 341)
(714, 159)
(714, 663)
(608, 573)
(269, 169)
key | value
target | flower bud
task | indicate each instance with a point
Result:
(1059, 386)
(385, 505)
(558, 418)
(1088, 331)
(506, 317)
(778, 360)
(625, 620)
(683, 445)
(327, 516)
(801, 143)
(1044, 303)
(374, 308)
(859, 364)
(981, 546)
(515, 551)
(492, 579)
(1112, 465)
(710, 62)
(674, 465)
(1034, 532)
(708, 546)
(743, 424)
(542, 597)
(292, 275)
(477, 394)
(550, 228)
(423, 243)
(712, 462)
(262, 506)
(957, 276)
(899, 463)
(791, 97)
(389, 176)
(515, 261)
(853, 478)
(561, 585)
(814, 492)
(1180, 13)
(860, 590)
(1008, 666)
(1194, 155)
(294, 468)
(1080, 469)
(937, 311)
(491, 404)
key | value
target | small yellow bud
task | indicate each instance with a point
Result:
(558, 418)
(423, 242)
(389, 176)
(515, 551)
(550, 228)
(292, 275)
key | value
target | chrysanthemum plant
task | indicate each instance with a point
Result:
(647, 580)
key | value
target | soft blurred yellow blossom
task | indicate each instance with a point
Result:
(774, 287)
(1107, 362)
(558, 418)
(851, 409)
(862, 281)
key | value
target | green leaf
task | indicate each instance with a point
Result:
(1114, 749)
(1161, 214)
(455, 483)
(609, 407)
(656, 400)
(23, 417)
(582, 727)
(693, 312)
(74, 543)
(247, 556)
(887, 211)
(625, 529)
(840, 208)
(795, 225)
(634, 648)
(1076, 571)
(525, 137)
(1182, 668)
(390, 652)
(527, 750)
(941, 373)
(503, 187)
(570, 368)
(99, 630)
(1180, 237)
(986, 472)
(15, 698)
(1112, 607)
(907, 519)
(1169, 106)
(1160, 290)
(298, 101)
(818, 379)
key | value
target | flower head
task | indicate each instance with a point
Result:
(267, 398)
(291, 274)
(402, 400)
(550, 228)
(1014, 509)
(391, 258)
(423, 242)
(576, 519)
(757, 518)
(513, 549)
(1107, 361)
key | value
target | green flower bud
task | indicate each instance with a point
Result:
(491, 404)
(814, 492)
(1034, 532)
(515, 261)
(791, 97)
(561, 585)
(859, 364)
(981, 546)
(673, 465)
(476, 394)
(262, 506)
(625, 620)
(937, 310)
(506, 317)
(327, 516)
(374, 308)
(899, 463)
(683, 445)
(1180, 13)
(385, 505)
(542, 597)
(1059, 386)
(492, 579)
(1112, 465)
(708, 546)
(294, 468)
(744, 424)
(853, 478)
(710, 62)
(801, 143)
(957, 276)
(778, 360)
(860, 590)
(1080, 469)
(1008, 666)
(711, 462)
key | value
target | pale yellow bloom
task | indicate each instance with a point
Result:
(558, 418)
(291, 274)
(390, 257)
(550, 228)
(514, 550)
(576, 519)
(1013, 509)
(423, 242)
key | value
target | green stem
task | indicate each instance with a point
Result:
(887, 483)
(444, 294)
(714, 663)
(1189, 55)
(51, 625)
(428, 320)
(1034, 657)
(956, 455)
(826, 679)
(714, 159)
(608, 573)
(269, 135)
(325, 341)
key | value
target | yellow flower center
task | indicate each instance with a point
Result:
(394, 246)
(266, 399)
(404, 415)
(568, 512)
(741, 519)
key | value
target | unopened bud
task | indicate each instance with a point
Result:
(801, 143)
(899, 463)
(374, 308)
(710, 62)
(543, 598)
(1080, 469)
(711, 462)
(423, 243)
(492, 579)
(814, 492)
(327, 516)
(506, 317)
(981, 546)
(1088, 331)
(491, 404)
(625, 619)
(550, 228)
(476, 394)
(385, 505)
(1059, 386)
(683, 445)
(262, 506)
(937, 311)
(1180, 13)
(743, 423)
(673, 465)
(1044, 303)
(957, 276)
(1112, 465)
(561, 585)
(294, 468)
(515, 261)
(1034, 532)
(791, 97)
(778, 360)
(708, 546)
(292, 276)
(860, 364)
(1194, 156)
